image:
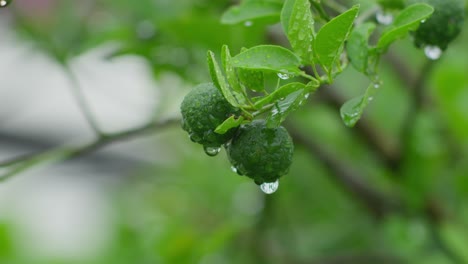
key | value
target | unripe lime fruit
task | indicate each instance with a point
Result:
(443, 26)
(263, 154)
(203, 109)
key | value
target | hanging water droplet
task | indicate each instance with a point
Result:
(248, 23)
(269, 187)
(234, 169)
(194, 137)
(376, 85)
(432, 52)
(212, 151)
(283, 76)
(384, 18)
(351, 111)
(306, 96)
(4, 3)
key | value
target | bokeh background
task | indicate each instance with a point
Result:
(394, 189)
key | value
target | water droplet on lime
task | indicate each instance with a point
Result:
(212, 151)
(269, 187)
(4, 3)
(432, 52)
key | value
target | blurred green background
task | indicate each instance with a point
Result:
(185, 207)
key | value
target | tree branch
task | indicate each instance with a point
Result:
(22, 163)
(376, 202)
(82, 102)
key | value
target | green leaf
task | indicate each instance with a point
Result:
(252, 79)
(331, 37)
(351, 111)
(358, 46)
(408, 20)
(229, 123)
(284, 107)
(233, 81)
(286, 13)
(280, 93)
(219, 80)
(268, 57)
(248, 11)
(300, 29)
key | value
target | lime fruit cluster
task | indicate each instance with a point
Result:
(203, 109)
(443, 26)
(254, 149)
(261, 153)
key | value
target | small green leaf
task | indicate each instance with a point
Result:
(286, 13)
(358, 46)
(268, 57)
(252, 10)
(284, 107)
(233, 81)
(252, 79)
(219, 80)
(408, 20)
(351, 111)
(229, 123)
(280, 93)
(331, 37)
(300, 29)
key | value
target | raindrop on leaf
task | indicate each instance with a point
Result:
(283, 76)
(248, 23)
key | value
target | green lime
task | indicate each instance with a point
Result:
(203, 109)
(263, 154)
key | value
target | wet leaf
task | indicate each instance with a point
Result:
(248, 11)
(298, 24)
(268, 57)
(358, 46)
(331, 37)
(219, 80)
(229, 123)
(408, 20)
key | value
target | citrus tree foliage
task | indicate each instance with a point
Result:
(369, 95)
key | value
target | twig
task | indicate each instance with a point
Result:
(82, 102)
(19, 164)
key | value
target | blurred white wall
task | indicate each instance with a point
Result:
(64, 210)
